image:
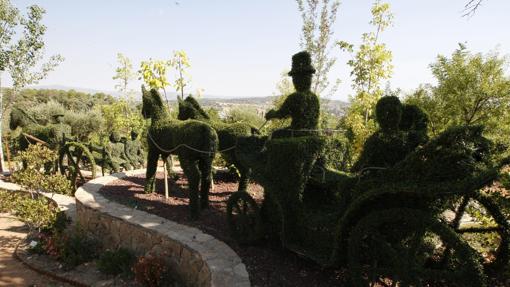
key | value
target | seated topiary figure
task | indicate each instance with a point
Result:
(228, 134)
(194, 142)
(414, 123)
(303, 105)
(387, 146)
(134, 150)
(115, 148)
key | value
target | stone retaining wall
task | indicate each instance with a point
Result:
(195, 258)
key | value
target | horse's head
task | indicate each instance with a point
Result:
(152, 104)
(189, 108)
(19, 118)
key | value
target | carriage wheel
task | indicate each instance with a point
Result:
(74, 159)
(243, 217)
(404, 247)
(485, 228)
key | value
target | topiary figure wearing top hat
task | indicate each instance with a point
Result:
(117, 153)
(303, 105)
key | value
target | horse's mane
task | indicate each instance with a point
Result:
(194, 103)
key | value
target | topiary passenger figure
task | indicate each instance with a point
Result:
(117, 153)
(414, 123)
(387, 146)
(303, 105)
(134, 150)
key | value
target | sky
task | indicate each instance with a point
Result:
(239, 48)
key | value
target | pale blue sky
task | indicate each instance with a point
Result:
(238, 48)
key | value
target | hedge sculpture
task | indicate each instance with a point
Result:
(134, 150)
(194, 142)
(402, 128)
(116, 151)
(303, 105)
(189, 108)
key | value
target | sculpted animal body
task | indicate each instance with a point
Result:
(189, 108)
(194, 142)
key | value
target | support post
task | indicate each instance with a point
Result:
(166, 178)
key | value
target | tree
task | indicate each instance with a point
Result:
(370, 64)
(471, 6)
(124, 74)
(318, 20)
(180, 63)
(21, 56)
(471, 89)
(153, 73)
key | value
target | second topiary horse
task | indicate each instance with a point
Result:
(194, 142)
(227, 134)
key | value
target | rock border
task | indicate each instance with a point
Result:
(196, 258)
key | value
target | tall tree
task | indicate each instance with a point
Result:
(21, 55)
(180, 63)
(318, 17)
(370, 64)
(123, 74)
(471, 89)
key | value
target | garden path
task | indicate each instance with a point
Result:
(13, 273)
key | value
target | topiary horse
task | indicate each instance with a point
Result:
(194, 142)
(228, 134)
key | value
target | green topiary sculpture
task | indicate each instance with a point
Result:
(303, 105)
(189, 108)
(390, 144)
(134, 150)
(115, 149)
(194, 142)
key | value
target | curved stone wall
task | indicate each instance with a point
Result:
(195, 258)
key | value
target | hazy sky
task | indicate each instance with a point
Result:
(238, 48)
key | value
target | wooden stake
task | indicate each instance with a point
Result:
(166, 178)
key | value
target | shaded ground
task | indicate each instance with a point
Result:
(267, 265)
(12, 272)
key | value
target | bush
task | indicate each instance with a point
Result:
(38, 160)
(36, 211)
(116, 262)
(151, 271)
(77, 248)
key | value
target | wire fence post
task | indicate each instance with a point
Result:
(165, 172)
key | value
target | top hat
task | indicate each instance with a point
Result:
(56, 115)
(301, 64)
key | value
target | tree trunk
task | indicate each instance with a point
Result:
(2, 164)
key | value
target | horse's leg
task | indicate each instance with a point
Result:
(150, 176)
(245, 176)
(169, 165)
(192, 172)
(205, 165)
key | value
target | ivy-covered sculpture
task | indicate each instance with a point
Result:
(194, 142)
(134, 150)
(303, 105)
(402, 128)
(189, 108)
(116, 153)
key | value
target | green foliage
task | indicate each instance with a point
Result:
(36, 211)
(180, 63)
(123, 74)
(472, 89)
(116, 262)
(75, 247)
(371, 64)
(319, 18)
(38, 158)
(121, 117)
(152, 271)
(153, 73)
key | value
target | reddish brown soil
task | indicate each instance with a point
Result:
(267, 265)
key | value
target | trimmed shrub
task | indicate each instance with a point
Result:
(116, 262)
(152, 271)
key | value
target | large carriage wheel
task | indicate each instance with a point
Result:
(243, 217)
(74, 159)
(404, 247)
(485, 228)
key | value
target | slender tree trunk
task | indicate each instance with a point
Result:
(2, 164)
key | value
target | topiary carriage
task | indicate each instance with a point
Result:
(413, 220)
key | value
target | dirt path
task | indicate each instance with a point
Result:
(12, 272)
